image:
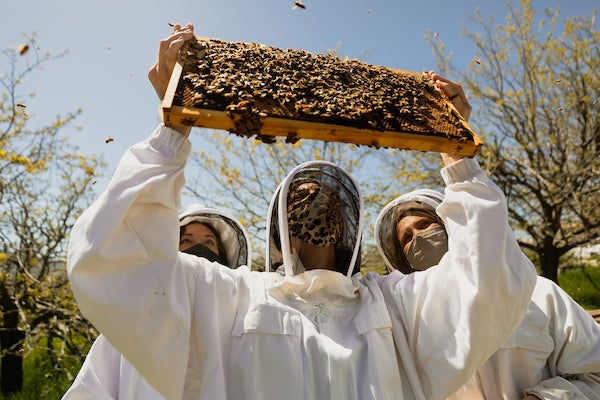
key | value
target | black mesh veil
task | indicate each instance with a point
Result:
(348, 201)
(232, 233)
(384, 225)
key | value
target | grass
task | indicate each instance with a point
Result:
(582, 283)
(41, 380)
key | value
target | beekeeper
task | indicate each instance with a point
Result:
(205, 232)
(553, 354)
(312, 329)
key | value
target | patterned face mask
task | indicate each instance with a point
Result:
(427, 248)
(314, 213)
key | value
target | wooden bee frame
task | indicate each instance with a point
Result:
(256, 91)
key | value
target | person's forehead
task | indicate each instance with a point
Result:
(197, 228)
(412, 219)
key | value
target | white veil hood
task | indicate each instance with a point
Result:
(350, 200)
(384, 229)
(232, 233)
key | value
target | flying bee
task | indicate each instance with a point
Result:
(109, 139)
(299, 4)
(23, 48)
(21, 105)
(477, 61)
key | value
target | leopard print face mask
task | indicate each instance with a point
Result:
(314, 213)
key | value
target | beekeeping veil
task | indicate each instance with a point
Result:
(385, 225)
(320, 204)
(232, 233)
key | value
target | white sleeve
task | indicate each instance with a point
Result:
(575, 361)
(98, 377)
(456, 315)
(123, 261)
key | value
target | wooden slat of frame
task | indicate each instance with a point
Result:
(295, 129)
(298, 129)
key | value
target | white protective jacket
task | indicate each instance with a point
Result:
(105, 373)
(196, 330)
(554, 354)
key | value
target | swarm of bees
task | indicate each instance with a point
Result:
(250, 82)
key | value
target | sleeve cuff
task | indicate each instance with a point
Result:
(460, 170)
(169, 141)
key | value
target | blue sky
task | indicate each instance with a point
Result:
(111, 44)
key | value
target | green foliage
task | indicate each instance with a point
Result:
(582, 282)
(535, 88)
(42, 380)
(44, 183)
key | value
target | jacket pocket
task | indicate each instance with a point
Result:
(531, 334)
(266, 354)
(269, 319)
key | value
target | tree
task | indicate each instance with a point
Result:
(535, 86)
(43, 184)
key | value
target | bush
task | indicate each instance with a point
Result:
(41, 379)
(582, 283)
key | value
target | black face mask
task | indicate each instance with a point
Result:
(200, 250)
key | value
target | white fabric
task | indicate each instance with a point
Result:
(196, 330)
(553, 354)
(106, 374)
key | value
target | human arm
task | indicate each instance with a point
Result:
(123, 262)
(457, 97)
(459, 313)
(160, 73)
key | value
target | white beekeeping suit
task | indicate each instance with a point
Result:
(553, 354)
(194, 329)
(105, 373)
